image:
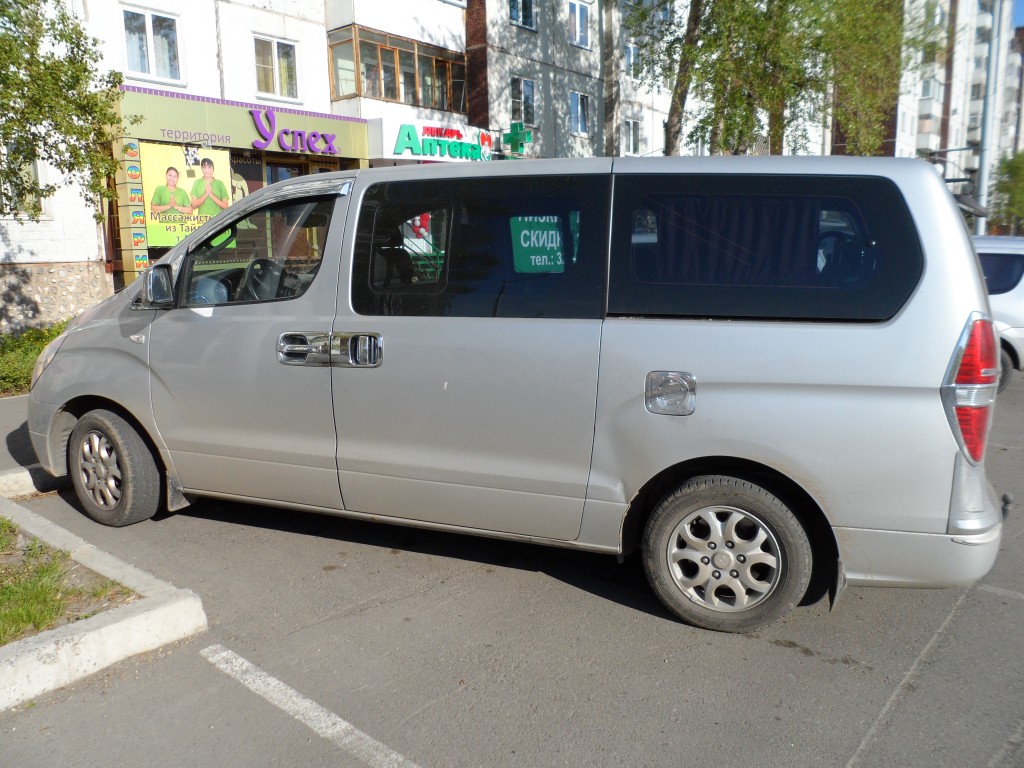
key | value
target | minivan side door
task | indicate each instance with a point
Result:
(473, 327)
(241, 391)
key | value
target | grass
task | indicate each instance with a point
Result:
(18, 353)
(41, 588)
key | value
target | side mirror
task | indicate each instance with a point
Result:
(157, 288)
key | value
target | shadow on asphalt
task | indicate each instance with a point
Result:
(19, 446)
(597, 574)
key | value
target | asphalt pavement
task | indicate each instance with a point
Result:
(341, 643)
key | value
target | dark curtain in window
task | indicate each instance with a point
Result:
(734, 240)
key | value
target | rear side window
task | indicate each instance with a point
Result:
(506, 247)
(767, 247)
(1002, 271)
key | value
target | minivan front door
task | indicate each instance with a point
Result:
(482, 299)
(241, 393)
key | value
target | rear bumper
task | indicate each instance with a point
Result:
(898, 559)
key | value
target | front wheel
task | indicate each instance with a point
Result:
(112, 469)
(724, 554)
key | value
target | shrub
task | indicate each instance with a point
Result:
(18, 353)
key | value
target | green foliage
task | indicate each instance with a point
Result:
(1008, 197)
(18, 355)
(55, 107)
(765, 69)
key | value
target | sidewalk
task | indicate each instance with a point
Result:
(52, 659)
(20, 473)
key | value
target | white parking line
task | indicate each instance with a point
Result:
(1001, 592)
(905, 684)
(325, 723)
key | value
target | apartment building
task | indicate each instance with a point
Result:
(224, 96)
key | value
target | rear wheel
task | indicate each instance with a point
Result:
(725, 554)
(112, 469)
(1005, 370)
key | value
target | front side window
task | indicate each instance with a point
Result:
(508, 247)
(151, 45)
(521, 13)
(579, 23)
(271, 254)
(275, 68)
(631, 137)
(579, 113)
(522, 101)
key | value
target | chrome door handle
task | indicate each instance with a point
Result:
(304, 348)
(357, 350)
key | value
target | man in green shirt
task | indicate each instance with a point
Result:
(170, 197)
(209, 196)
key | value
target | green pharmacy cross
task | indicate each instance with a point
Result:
(517, 137)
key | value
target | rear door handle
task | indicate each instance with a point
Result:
(357, 350)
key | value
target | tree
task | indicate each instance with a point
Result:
(55, 107)
(767, 68)
(1008, 200)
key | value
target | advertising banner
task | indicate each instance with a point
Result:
(183, 187)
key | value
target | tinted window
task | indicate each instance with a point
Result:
(510, 247)
(780, 247)
(1002, 271)
(272, 253)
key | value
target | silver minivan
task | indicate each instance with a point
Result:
(763, 373)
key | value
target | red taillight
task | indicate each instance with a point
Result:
(971, 392)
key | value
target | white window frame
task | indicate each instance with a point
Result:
(34, 170)
(579, 23)
(631, 52)
(579, 113)
(274, 43)
(522, 91)
(516, 8)
(150, 46)
(631, 139)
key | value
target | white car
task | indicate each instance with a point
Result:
(1002, 260)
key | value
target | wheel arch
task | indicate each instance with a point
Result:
(69, 415)
(1011, 350)
(825, 549)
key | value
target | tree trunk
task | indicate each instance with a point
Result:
(684, 75)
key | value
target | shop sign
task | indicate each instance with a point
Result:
(289, 139)
(537, 244)
(437, 142)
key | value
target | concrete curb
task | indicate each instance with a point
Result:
(37, 665)
(28, 480)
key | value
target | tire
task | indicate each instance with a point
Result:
(1005, 370)
(113, 471)
(724, 554)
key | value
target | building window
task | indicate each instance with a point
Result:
(392, 68)
(152, 45)
(632, 53)
(25, 203)
(522, 101)
(631, 137)
(275, 68)
(579, 112)
(579, 24)
(521, 13)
